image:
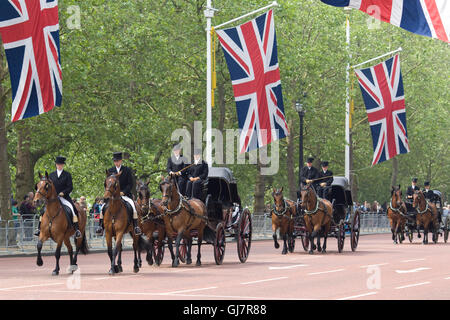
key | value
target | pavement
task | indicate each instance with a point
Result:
(378, 269)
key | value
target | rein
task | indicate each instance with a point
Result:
(282, 213)
(426, 208)
(397, 210)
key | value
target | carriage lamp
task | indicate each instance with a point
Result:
(301, 113)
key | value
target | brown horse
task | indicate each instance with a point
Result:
(54, 225)
(283, 213)
(116, 223)
(318, 217)
(150, 221)
(182, 216)
(397, 215)
(426, 216)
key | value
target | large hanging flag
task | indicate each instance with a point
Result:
(382, 91)
(429, 18)
(30, 35)
(251, 54)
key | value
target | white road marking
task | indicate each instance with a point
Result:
(323, 272)
(258, 281)
(188, 290)
(358, 296)
(288, 267)
(116, 277)
(34, 285)
(422, 259)
(447, 278)
(375, 265)
(412, 270)
(413, 285)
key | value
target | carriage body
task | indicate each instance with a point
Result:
(345, 218)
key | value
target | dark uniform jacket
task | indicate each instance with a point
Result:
(329, 180)
(198, 170)
(125, 180)
(62, 184)
(410, 191)
(175, 165)
(309, 174)
(428, 194)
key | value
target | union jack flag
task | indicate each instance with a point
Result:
(382, 91)
(251, 54)
(30, 35)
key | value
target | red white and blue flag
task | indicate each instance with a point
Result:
(429, 18)
(251, 54)
(382, 91)
(30, 35)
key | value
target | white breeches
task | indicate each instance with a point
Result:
(131, 203)
(68, 204)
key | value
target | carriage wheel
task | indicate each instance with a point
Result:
(219, 244)
(158, 251)
(244, 239)
(305, 241)
(183, 250)
(410, 235)
(341, 236)
(355, 227)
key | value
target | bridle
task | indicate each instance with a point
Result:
(108, 188)
(418, 199)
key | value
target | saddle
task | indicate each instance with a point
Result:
(68, 214)
(127, 206)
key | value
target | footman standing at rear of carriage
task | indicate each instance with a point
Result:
(126, 185)
(197, 174)
(62, 180)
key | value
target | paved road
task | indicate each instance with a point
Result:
(377, 270)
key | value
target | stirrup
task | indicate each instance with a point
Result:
(37, 232)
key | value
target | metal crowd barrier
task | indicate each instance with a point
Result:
(16, 236)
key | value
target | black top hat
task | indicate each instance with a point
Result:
(414, 179)
(426, 183)
(117, 156)
(310, 160)
(60, 160)
(197, 151)
(324, 164)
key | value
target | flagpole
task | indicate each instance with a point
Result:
(347, 99)
(273, 4)
(382, 56)
(209, 14)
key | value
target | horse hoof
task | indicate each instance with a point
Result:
(284, 252)
(324, 251)
(136, 269)
(198, 264)
(119, 269)
(188, 261)
(175, 264)
(111, 272)
(140, 264)
(311, 252)
(72, 268)
(277, 246)
(55, 273)
(39, 262)
(319, 249)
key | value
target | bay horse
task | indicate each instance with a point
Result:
(150, 221)
(318, 217)
(397, 215)
(182, 216)
(54, 225)
(283, 213)
(116, 224)
(426, 216)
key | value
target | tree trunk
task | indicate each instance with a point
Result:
(259, 191)
(394, 171)
(5, 175)
(290, 163)
(25, 163)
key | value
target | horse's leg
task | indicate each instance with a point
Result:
(199, 244)
(39, 244)
(136, 253)
(57, 256)
(72, 266)
(176, 261)
(119, 254)
(149, 256)
(319, 247)
(274, 236)
(170, 246)
(189, 251)
(284, 235)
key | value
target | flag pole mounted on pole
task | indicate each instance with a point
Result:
(373, 59)
(347, 99)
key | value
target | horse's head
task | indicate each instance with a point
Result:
(308, 194)
(418, 197)
(143, 196)
(45, 189)
(278, 199)
(166, 187)
(112, 185)
(396, 195)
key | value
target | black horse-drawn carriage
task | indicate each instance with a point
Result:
(345, 218)
(444, 224)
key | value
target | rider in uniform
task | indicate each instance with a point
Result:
(427, 192)
(197, 174)
(309, 173)
(326, 178)
(62, 180)
(411, 189)
(176, 163)
(126, 185)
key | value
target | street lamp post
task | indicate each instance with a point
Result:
(301, 114)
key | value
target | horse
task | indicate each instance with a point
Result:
(116, 224)
(182, 216)
(318, 217)
(54, 225)
(283, 213)
(397, 215)
(151, 221)
(426, 216)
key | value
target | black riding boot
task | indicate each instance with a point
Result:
(77, 230)
(38, 230)
(137, 230)
(100, 228)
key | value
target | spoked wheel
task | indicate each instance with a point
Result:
(305, 241)
(244, 235)
(341, 236)
(158, 251)
(219, 244)
(354, 234)
(410, 235)
(183, 250)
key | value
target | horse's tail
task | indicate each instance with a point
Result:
(143, 244)
(84, 249)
